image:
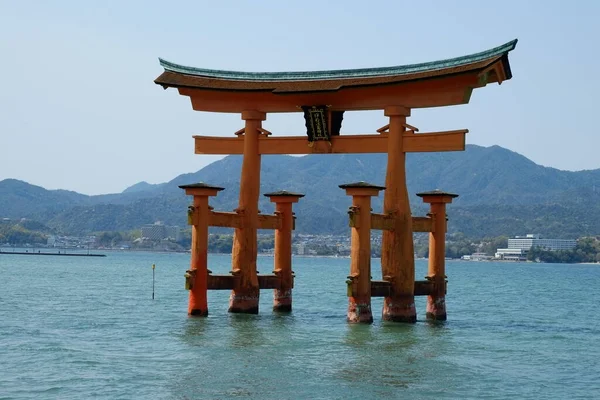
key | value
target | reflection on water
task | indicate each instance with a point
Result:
(380, 356)
(194, 331)
(358, 335)
(247, 331)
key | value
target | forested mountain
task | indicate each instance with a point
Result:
(501, 192)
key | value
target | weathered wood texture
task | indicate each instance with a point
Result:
(397, 248)
(244, 297)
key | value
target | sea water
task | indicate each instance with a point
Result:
(76, 328)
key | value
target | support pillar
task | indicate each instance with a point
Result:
(397, 248)
(244, 298)
(436, 301)
(282, 297)
(359, 281)
(197, 275)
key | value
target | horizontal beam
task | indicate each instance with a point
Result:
(229, 282)
(370, 143)
(269, 221)
(422, 224)
(225, 219)
(269, 281)
(424, 288)
(381, 288)
(374, 143)
(382, 222)
(384, 288)
(219, 145)
(222, 282)
(434, 92)
(385, 222)
(437, 141)
(235, 220)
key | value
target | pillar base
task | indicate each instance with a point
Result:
(436, 308)
(400, 309)
(359, 312)
(282, 300)
(198, 304)
(198, 312)
(244, 302)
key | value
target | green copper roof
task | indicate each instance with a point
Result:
(343, 73)
(359, 185)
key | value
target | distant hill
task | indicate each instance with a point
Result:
(21, 199)
(501, 192)
(141, 187)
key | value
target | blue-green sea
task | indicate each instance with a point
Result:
(78, 328)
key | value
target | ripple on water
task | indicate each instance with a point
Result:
(93, 331)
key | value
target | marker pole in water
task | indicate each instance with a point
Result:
(153, 267)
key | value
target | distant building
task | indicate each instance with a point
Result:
(158, 231)
(535, 240)
(476, 257)
(174, 233)
(511, 254)
(51, 240)
(301, 249)
(519, 246)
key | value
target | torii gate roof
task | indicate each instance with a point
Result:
(431, 84)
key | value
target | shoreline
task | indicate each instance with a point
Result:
(59, 254)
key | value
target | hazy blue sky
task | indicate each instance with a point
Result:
(79, 109)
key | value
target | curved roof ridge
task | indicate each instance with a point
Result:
(342, 73)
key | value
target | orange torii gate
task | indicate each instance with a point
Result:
(324, 96)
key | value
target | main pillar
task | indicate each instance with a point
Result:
(244, 297)
(436, 301)
(397, 248)
(197, 275)
(282, 297)
(359, 284)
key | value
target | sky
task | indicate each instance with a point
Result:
(79, 109)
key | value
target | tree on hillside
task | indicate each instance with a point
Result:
(109, 239)
(586, 250)
(490, 245)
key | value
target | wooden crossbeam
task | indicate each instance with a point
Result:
(385, 222)
(439, 141)
(222, 282)
(235, 220)
(228, 282)
(269, 281)
(382, 222)
(225, 219)
(424, 288)
(371, 143)
(384, 288)
(422, 224)
(219, 145)
(381, 288)
(268, 221)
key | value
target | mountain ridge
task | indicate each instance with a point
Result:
(495, 179)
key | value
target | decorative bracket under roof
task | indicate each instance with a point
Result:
(409, 128)
(260, 130)
(495, 68)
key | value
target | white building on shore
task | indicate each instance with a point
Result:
(158, 231)
(519, 246)
(535, 240)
